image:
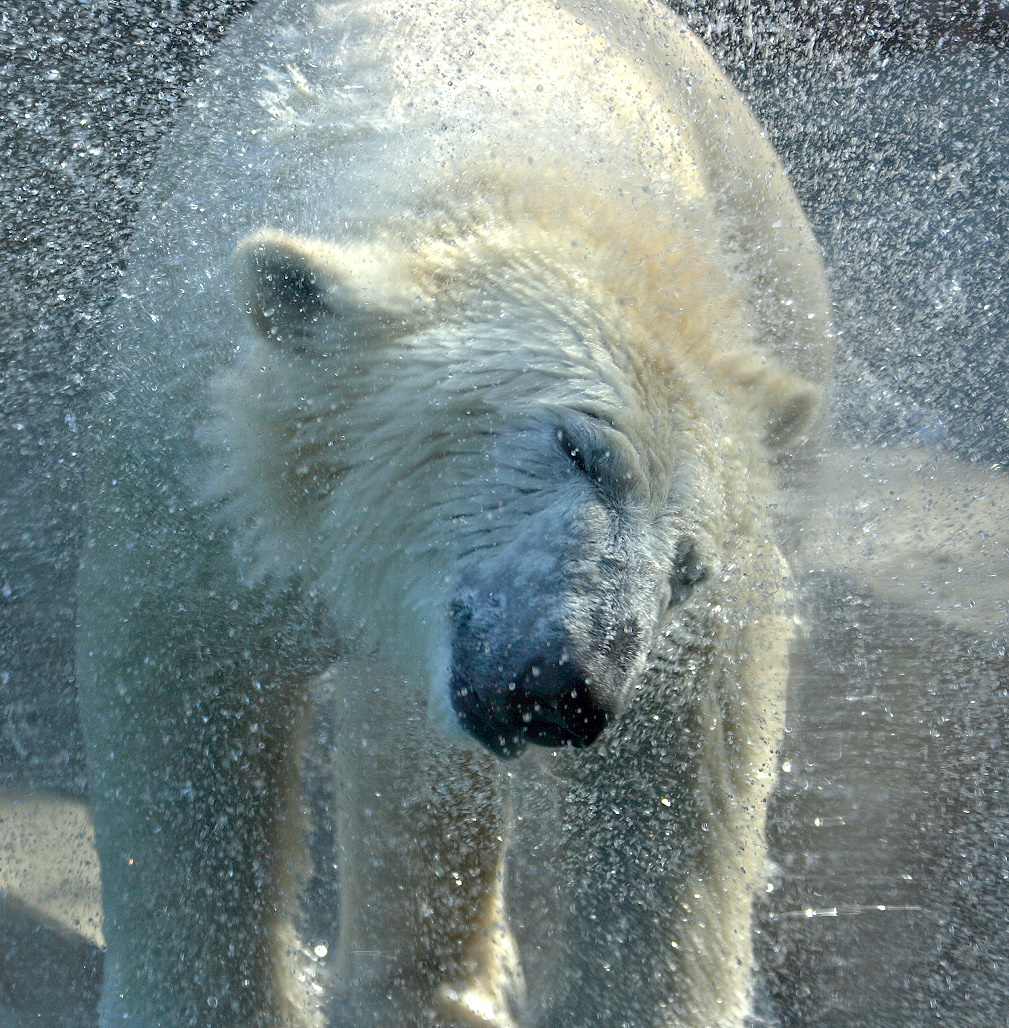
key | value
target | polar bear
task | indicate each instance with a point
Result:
(436, 452)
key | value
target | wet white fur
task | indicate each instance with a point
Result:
(515, 217)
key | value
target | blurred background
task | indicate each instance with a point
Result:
(890, 829)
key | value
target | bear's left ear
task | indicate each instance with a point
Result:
(312, 296)
(782, 404)
(790, 406)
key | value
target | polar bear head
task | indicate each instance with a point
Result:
(507, 458)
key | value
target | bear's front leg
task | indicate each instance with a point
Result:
(663, 832)
(422, 829)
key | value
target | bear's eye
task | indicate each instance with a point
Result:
(593, 449)
(688, 571)
(576, 452)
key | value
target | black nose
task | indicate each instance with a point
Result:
(550, 704)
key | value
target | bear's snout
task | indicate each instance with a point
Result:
(518, 678)
(551, 703)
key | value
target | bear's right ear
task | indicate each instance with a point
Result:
(316, 297)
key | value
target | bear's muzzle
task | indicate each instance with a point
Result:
(551, 703)
(520, 674)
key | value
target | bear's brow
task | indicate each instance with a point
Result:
(594, 414)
